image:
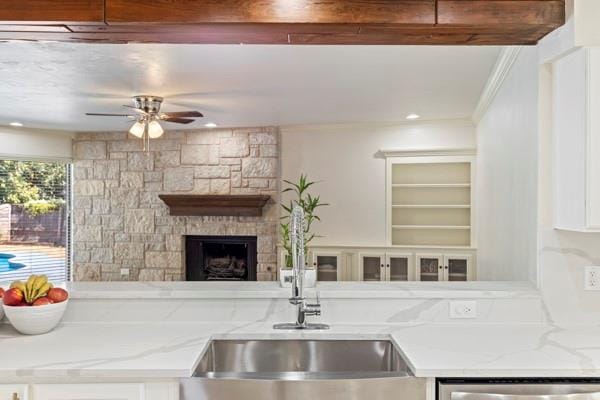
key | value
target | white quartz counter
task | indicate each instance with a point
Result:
(155, 350)
(271, 290)
(160, 330)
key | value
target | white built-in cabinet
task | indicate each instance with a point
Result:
(429, 220)
(576, 140)
(386, 267)
(167, 390)
(440, 267)
(328, 265)
(394, 263)
(430, 198)
(88, 391)
(14, 392)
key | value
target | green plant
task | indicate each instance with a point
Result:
(24, 181)
(41, 207)
(309, 204)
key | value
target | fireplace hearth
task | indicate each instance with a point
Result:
(220, 258)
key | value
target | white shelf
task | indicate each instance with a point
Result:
(455, 227)
(430, 201)
(431, 185)
(465, 206)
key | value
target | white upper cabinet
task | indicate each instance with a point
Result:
(576, 131)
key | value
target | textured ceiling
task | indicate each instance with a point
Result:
(53, 85)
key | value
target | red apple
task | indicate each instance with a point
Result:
(13, 297)
(42, 301)
(57, 295)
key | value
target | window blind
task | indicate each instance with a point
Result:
(35, 219)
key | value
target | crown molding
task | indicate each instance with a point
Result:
(504, 63)
(427, 152)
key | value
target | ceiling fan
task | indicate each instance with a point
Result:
(147, 117)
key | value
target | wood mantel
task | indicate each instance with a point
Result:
(216, 205)
(433, 22)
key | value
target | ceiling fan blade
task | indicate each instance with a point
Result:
(188, 114)
(110, 115)
(178, 120)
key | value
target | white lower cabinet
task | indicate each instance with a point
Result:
(14, 392)
(328, 265)
(386, 267)
(444, 267)
(383, 264)
(160, 390)
(88, 391)
(430, 267)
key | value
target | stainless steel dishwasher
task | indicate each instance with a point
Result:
(518, 389)
(302, 370)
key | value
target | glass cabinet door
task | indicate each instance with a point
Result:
(372, 268)
(430, 268)
(327, 267)
(399, 268)
(456, 268)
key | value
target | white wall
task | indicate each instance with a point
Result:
(507, 176)
(22, 143)
(586, 14)
(345, 159)
(562, 254)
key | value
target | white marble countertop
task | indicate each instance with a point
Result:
(155, 345)
(171, 350)
(266, 290)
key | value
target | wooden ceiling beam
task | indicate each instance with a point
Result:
(459, 22)
(270, 11)
(501, 12)
(51, 12)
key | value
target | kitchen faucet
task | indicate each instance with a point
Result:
(297, 299)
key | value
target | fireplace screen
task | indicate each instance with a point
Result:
(220, 258)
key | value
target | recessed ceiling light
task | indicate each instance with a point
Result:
(413, 116)
(16, 124)
(210, 125)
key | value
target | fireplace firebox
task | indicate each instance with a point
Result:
(220, 258)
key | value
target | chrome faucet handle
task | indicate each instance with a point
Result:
(316, 305)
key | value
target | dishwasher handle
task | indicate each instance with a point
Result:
(490, 396)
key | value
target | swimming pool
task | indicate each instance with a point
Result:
(6, 265)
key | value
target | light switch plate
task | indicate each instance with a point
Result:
(591, 277)
(124, 271)
(463, 309)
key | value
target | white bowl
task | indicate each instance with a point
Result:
(35, 320)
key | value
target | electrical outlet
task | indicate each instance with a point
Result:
(463, 309)
(124, 271)
(591, 278)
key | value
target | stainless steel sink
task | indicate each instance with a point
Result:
(302, 369)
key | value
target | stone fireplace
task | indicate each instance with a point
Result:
(220, 258)
(123, 230)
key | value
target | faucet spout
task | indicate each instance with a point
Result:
(297, 229)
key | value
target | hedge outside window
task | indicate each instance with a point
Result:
(34, 219)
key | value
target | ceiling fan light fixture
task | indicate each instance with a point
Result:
(137, 129)
(155, 130)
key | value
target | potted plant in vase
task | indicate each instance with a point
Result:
(309, 204)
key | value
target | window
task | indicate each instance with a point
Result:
(34, 219)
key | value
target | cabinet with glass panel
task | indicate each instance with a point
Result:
(386, 267)
(328, 265)
(444, 267)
